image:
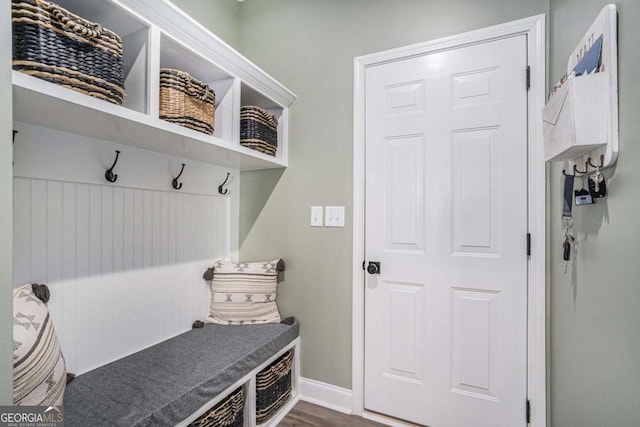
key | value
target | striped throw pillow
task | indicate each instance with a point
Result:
(39, 371)
(244, 293)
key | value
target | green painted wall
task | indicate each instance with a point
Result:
(309, 46)
(219, 16)
(6, 210)
(595, 315)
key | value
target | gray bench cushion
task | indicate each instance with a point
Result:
(164, 384)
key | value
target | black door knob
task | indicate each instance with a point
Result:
(373, 267)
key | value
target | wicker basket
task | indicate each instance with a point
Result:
(227, 413)
(55, 45)
(258, 130)
(273, 387)
(186, 101)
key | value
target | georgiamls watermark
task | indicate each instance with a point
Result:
(31, 416)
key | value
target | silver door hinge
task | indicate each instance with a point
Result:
(528, 411)
(528, 77)
(528, 244)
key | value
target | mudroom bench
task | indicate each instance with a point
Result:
(194, 379)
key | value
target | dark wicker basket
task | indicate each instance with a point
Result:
(186, 101)
(55, 45)
(273, 387)
(258, 130)
(227, 413)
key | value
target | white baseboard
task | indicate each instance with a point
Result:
(341, 400)
(326, 395)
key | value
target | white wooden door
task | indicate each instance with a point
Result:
(446, 216)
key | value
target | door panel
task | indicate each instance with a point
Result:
(407, 324)
(404, 189)
(474, 346)
(475, 210)
(446, 214)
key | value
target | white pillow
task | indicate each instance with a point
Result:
(244, 293)
(39, 370)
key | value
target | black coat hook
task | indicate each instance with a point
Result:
(594, 166)
(177, 185)
(109, 175)
(222, 185)
(579, 172)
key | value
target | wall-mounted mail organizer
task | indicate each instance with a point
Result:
(580, 120)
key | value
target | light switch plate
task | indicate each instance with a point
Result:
(316, 216)
(334, 216)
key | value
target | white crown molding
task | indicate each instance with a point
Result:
(182, 27)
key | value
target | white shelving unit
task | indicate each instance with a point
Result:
(156, 34)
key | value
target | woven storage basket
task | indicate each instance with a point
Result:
(273, 387)
(55, 45)
(258, 130)
(227, 413)
(186, 101)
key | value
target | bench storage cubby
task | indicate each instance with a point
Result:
(273, 387)
(229, 412)
(176, 381)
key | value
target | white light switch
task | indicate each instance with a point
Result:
(316, 216)
(334, 216)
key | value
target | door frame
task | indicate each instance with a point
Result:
(534, 28)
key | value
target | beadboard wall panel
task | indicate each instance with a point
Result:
(124, 264)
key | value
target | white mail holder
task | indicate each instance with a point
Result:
(576, 119)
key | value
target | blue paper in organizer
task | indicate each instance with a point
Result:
(591, 60)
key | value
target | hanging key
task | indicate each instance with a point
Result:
(566, 250)
(567, 224)
(597, 185)
(566, 245)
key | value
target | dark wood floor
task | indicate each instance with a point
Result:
(307, 414)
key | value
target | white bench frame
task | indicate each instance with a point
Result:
(249, 384)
